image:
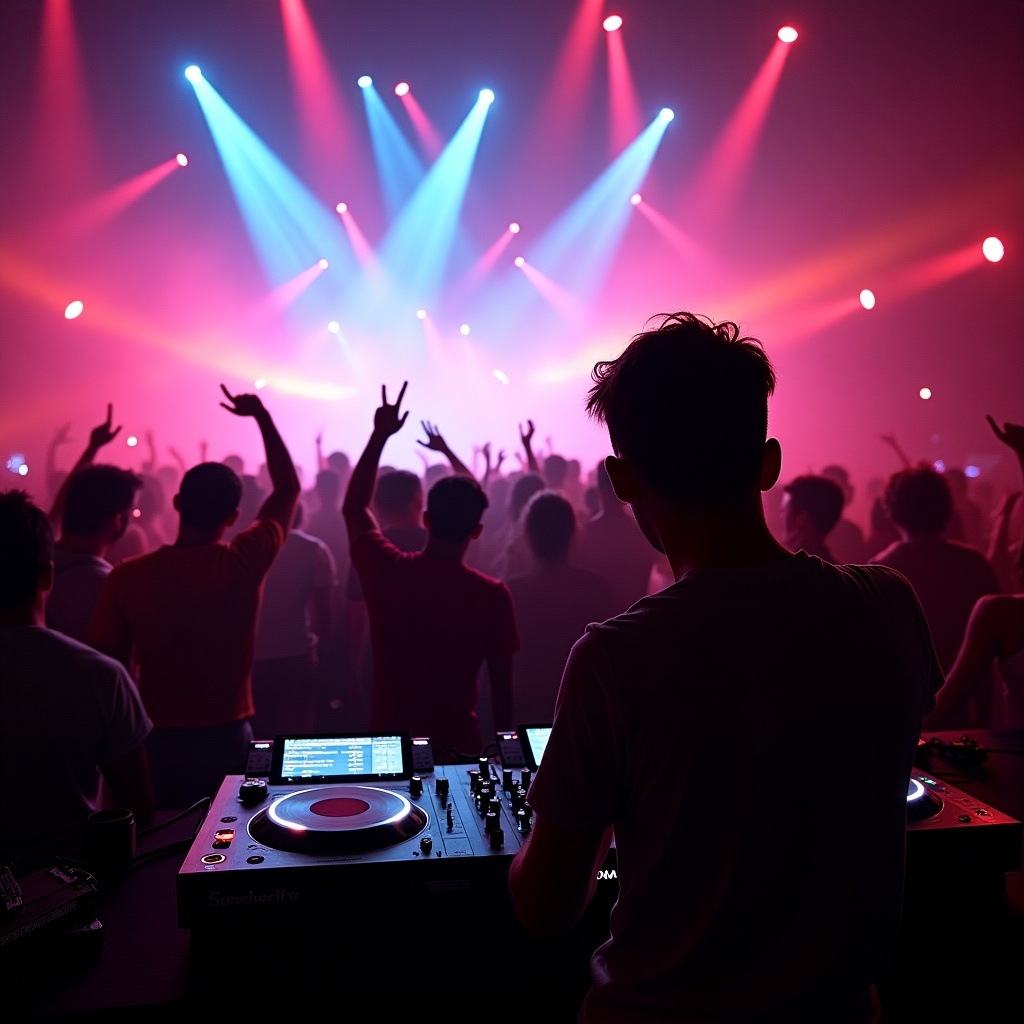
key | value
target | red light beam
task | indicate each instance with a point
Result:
(430, 140)
(718, 181)
(563, 301)
(285, 294)
(625, 123)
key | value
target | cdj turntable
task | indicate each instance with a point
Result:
(343, 826)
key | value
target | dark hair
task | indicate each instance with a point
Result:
(209, 494)
(549, 523)
(95, 494)
(26, 548)
(821, 498)
(919, 500)
(397, 490)
(455, 504)
(522, 491)
(328, 487)
(687, 404)
(556, 469)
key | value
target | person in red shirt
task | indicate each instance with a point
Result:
(434, 621)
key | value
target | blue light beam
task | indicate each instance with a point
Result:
(417, 247)
(580, 247)
(398, 166)
(289, 228)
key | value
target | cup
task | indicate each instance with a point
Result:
(109, 838)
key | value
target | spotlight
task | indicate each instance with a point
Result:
(464, 330)
(23, 469)
(193, 74)
(925, 393)
(364, 81)
(520, 262)
(323, 264)
(136, 513)
(401, 89)
(788, 34)
(421, 314)
(487, 96)
(867, 298)
(16, 463)
(636, 199)
(334, 327)
(132, 441)
(514, 228)
(612, 23)
(972, 471)
(992, 249)
(666, 115)
(73, 309)
(259, 383)
(500, 376)
(341, 207)
(182, 160)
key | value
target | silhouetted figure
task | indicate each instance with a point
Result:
(810, 509)
(846, 539)
(667, 713)
(185, 615)
(948, 576)
(554, 605)
(434, 621)
(70, 717)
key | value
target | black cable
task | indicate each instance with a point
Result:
(204, 802)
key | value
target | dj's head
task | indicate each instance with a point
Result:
(455, 505)
(209, 496)
(687, 405)
(26, 551)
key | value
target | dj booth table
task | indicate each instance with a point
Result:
(960, 956)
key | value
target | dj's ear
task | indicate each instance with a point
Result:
(771, 464)
(622, 476)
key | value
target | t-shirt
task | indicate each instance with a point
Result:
(65, 709)
(190, 614)
(77, 582)
(750, 735)
(432, 625)
(304, 566)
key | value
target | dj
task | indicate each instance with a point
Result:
(747, 734)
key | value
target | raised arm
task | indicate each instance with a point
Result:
(1012, 435)
(284, 495)
(436, 443)
(99, 436)
(526, 436)
(891, 441)
(387, 420)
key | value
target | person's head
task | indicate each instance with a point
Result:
(686, 405)
(99, 500)
(549, 522)
(556, 470)
(522, 491)
(455, 505)
(841, 477)
(812, 506)
(399, 496)
(26, 551)
(918, 500)
(209, 496)
(235, 463)
(328, 488)
(341, 464)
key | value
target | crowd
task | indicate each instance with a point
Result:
(153, 623)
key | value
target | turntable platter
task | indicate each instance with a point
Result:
(338, 820)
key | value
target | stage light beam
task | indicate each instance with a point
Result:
(487, 96)
(519, 261)
(788, 34)
(636, 199)
(867, 298)
(341, 207)
(73, 309)
(193, 74)
(402, 89)
(323, 264)
(182, 160)
(925, 393)
(612, 23)
(364, 81)
(514, 228)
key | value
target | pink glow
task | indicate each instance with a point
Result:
(430, 140)
(563, 301)
(285, 294)
(676, 237)
(362, 248)
(624, 123)
(490, 257)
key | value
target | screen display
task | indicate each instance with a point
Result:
(535, 739)
(349, 758)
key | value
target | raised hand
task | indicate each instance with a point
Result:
(386, 420)
(63, 436)
(242, 405)
(435, 442)
(526, 436)
(103, 434)
(1011, 434)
